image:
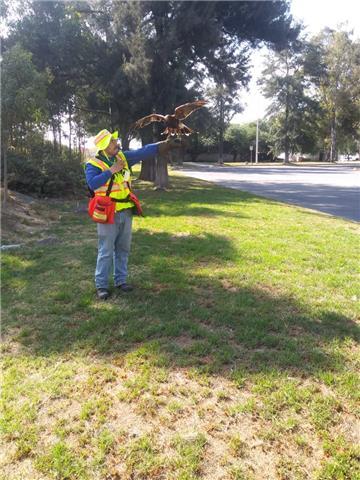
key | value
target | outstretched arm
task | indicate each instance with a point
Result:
(150, 151)
(144, 153)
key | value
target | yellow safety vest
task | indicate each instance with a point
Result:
(120, 188)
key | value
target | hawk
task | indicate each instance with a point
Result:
(173, 123)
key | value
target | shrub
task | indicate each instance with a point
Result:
(43, 173)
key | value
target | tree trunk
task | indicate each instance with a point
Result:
(70, 133)
(221, 131)
(221, 151)
(111, 117)
(177, 157)
(148, 168)
(286, 142)
(59, 133)
(6, 192)
(161, 173)
(181, 156)
(147, 172)
(125, 141)
(287, 151)
(286, 123)
(54, 136)
(333, 146)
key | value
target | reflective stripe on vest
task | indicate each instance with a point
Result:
(119, 189)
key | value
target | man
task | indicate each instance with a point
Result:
(114, 240)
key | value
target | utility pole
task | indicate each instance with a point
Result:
(257, 141)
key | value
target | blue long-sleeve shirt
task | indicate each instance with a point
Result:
(95, 177)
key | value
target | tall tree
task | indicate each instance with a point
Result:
(116, 61)
(224, 106)
(186, 42)
(24, 102)
(333, 63)
(61, 46)
(197, 40)
(292, 108)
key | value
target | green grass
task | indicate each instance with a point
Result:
(236, 354)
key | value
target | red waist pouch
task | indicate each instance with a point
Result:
(101, 209)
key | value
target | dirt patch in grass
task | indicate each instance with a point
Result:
(349, 428)
(184, 341)
(229, 286)
(25, 218)
(169, 423)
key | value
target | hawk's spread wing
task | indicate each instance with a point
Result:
(154, 117)
(185, 110)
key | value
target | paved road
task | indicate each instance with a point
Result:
(333, 189)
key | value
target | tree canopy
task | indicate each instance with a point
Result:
(104, 64)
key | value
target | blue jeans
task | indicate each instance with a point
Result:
(114, 240)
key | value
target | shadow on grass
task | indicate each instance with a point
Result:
(196, 192)
(181, 309)
(181, 201)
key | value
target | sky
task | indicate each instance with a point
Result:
(315, 15)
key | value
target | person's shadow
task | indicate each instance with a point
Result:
(180, 304)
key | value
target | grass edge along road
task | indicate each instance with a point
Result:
(235, 358)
